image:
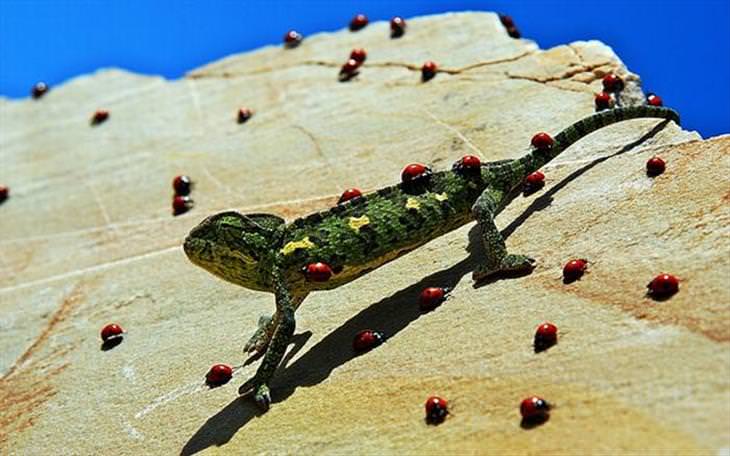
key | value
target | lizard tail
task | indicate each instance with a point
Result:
(537, 158)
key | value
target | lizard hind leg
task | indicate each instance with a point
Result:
(497, 260)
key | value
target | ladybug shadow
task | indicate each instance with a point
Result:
(533, 422)
(389, 315)
(545, 200)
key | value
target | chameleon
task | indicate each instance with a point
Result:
(263, 252)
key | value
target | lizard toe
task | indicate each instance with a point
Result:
(263, 397)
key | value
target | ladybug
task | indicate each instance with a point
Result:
(4, 192)
(513, 32)
(349, 69)
(506, 20)
(431, 297)
(39, 89)
(219, 374)
(603, 101)
(612, 83)
(546, 336)
(542, 141)
(663, 286)
(349, 194)
(358, 22)
(244, 114)
(534, 182)
(428, 70)
(397, 27)
(654, 100)
(111, 331)
(99, 116)
(292, 39)
(182, 185)
(468, 164)
(655, 166)
(436, 409)
(415, 172)
(367, 339)
(574, 269)
(318, 272)
(534, 408)
(359, 55)
(181, 204)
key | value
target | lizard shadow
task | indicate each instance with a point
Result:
(390, 315)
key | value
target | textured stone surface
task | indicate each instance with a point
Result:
(87, 238)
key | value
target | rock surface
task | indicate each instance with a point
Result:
(87, 238)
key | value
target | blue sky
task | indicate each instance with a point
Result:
(680, 48)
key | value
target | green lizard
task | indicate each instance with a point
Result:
(263, 252)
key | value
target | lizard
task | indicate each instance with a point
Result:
(263, 252)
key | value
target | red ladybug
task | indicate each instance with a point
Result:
(655, 166)
(415, 171)
(292, 39)
(506, 20)
(111, 331)
(182, 185)
(654, 100)
(181, 204)
(358, 22)
(534, 407)
(99, 116)
(244, 114)
(612, 83)
(574, 269)
(431, 297)
(468, 165)
(359, 55)
(542, 141)
(367, 339)
(219, 374)
(318, 272)
(428, 70)
(349, 194)
(513, 32)
(663, 286)
(350, 67)
(546, 336)
(536, 179)
(436, 409)
(397, 27)
(4, 192)
(603, 101)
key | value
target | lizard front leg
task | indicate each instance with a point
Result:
(266, 326)
(260, 339)
(497, 259)
(282, 333)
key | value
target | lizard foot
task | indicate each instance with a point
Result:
(260, 391)
(260, 339)
(510, 264)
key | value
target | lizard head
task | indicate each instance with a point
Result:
(235, 247)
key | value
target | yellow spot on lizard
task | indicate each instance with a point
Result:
(358, 222)
(413, 203)
(294, 245)
(441, 196)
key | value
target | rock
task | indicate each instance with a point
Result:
(88, 238)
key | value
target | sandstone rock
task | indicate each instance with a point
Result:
(88, 238)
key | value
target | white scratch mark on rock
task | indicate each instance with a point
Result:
(190, 388)
(456, 132)
(134, 433)
(102, 208)
(98, 267)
